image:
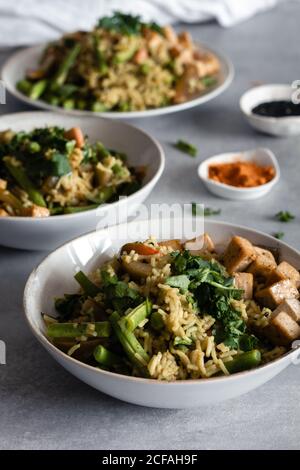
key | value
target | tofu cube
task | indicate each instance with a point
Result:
(289, 272)
(284, 271)
(274, 276)
(3, 213)
(282, 329)
(244, 281)
(200, 244)
(275, 294)
(238, 255)
(291, 307)
(36, 211)
(263, 264)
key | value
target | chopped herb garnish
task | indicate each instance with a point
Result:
(206, 212)
(185, 147)
(279, 235)
(209, 211)
(213, 292)
(126, 24)
(285, 216)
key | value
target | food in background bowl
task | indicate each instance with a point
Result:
(173, 311)
(242, 174)
(121, 65)
(52, 171)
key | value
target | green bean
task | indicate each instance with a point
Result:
(244, 361)
(106, 357)
(75, 209)
(66, 65)
(133, 341)
(24, 86)
(38, 89)
(88, 286)
(69, 103)
(137, 315)
(75, 330)
(18, 173)
(130, 344)
(103, 195)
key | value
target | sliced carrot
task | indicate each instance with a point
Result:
(140, 249)
(75, 133)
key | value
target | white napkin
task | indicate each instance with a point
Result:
(33, 21)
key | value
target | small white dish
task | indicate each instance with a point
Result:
(49, 232)
(15, 68)
(261, 156)
(279, 126)
(54, 277)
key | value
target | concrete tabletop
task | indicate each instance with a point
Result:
(44, 407)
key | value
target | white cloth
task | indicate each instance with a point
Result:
(32, 21)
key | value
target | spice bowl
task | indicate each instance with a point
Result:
(260, 156)
(278, 126)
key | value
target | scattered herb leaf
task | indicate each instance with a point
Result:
(207, 211)
(186, 147)
(284, 216)
(279, 235)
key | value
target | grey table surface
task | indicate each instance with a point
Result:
(42, 406)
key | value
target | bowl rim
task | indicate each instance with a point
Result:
(41, 337)
(238, 190)
(200, 99)
(270, 119)
(154, 179)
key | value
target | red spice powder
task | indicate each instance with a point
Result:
(241, 174)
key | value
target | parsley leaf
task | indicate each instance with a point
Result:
(206, 212)
(279, 235)
(285, 216)
(118, 295)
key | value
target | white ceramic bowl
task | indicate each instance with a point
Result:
(54, 277)
(15, 67)
(261, 156)
(283, 126)
(49, 232)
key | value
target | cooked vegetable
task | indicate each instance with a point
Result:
(137, 315)
(185, 147)
(148, 66)
(52, 171)
(139, 248)
(130, 344)
(88, 287)
(181, 310)
(106, 357)
(74, 330)
(22, 179)
(245, 361)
